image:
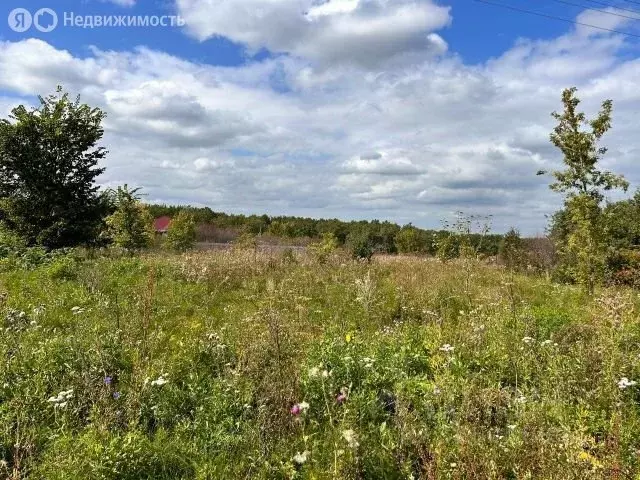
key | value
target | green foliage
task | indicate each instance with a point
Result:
(512, 251)
(382, 235)
(48, 160)
(130, 226)
(190, 366)
(581, 151)
(360, 245)
(410, 240)
(448, 247)
(182, 232)
(325, 248)
(582, 227)
(10, 242)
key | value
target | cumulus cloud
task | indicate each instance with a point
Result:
(412, 142)
(362, 32)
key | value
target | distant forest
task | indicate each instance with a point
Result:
(384, 237)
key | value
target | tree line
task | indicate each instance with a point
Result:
(50, 159)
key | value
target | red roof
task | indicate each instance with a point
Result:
(161, 224)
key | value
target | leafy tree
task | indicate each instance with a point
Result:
(583, 184)
(323, 249)
(131, 225)
(181, 235)
(408, 240)
(359, 244)
(48, 167)
(512, 250)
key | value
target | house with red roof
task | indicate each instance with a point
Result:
(161, 225)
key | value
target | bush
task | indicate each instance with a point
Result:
(325, 248)
(512, 252)
(182, 233)
(63, 268)
(359, 244)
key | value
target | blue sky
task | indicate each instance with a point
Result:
(478, 32)
(407, 110)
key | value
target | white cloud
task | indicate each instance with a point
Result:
(363, 32)
(411, 142)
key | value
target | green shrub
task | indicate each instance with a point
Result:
(182, 233)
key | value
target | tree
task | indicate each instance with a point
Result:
(182, 232)
(323, 249)
(512, 251)
(583, 184)
(408, 240)
(48, 168)
(131, 225)
(359, 244)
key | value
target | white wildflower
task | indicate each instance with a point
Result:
(625, 382)
(351, 438)
(159, 381)
(546, 342)
(61, 399)
(314, 372)
(326, 374)
(301, 458)
(304, 406)
(528, 340)
(447, 348)
(77, 310)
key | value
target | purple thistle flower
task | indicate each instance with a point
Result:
(107, 380)
(116, 395)
(296, 410)
(341, 398)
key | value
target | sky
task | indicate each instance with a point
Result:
(400, 110)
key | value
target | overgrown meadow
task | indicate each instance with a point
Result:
(244, 365)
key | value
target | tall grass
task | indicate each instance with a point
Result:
(245, 365)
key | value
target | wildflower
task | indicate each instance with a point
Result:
(546, 342)
(511, 427)
(116, 395)
(368, 362)
(447, 348)
(342, 397)
(351, 438)
(299, 408)
(326, 374)
(348, 338)
(436, 391)
(160, 381)
(60, 400)
(301, 458)
(77, 310)
(314, 372)
(625, 382)
(107, 380)
(528, 340)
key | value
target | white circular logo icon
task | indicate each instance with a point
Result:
(20, 20)
(45, 20)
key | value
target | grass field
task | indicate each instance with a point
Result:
(223, 365)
